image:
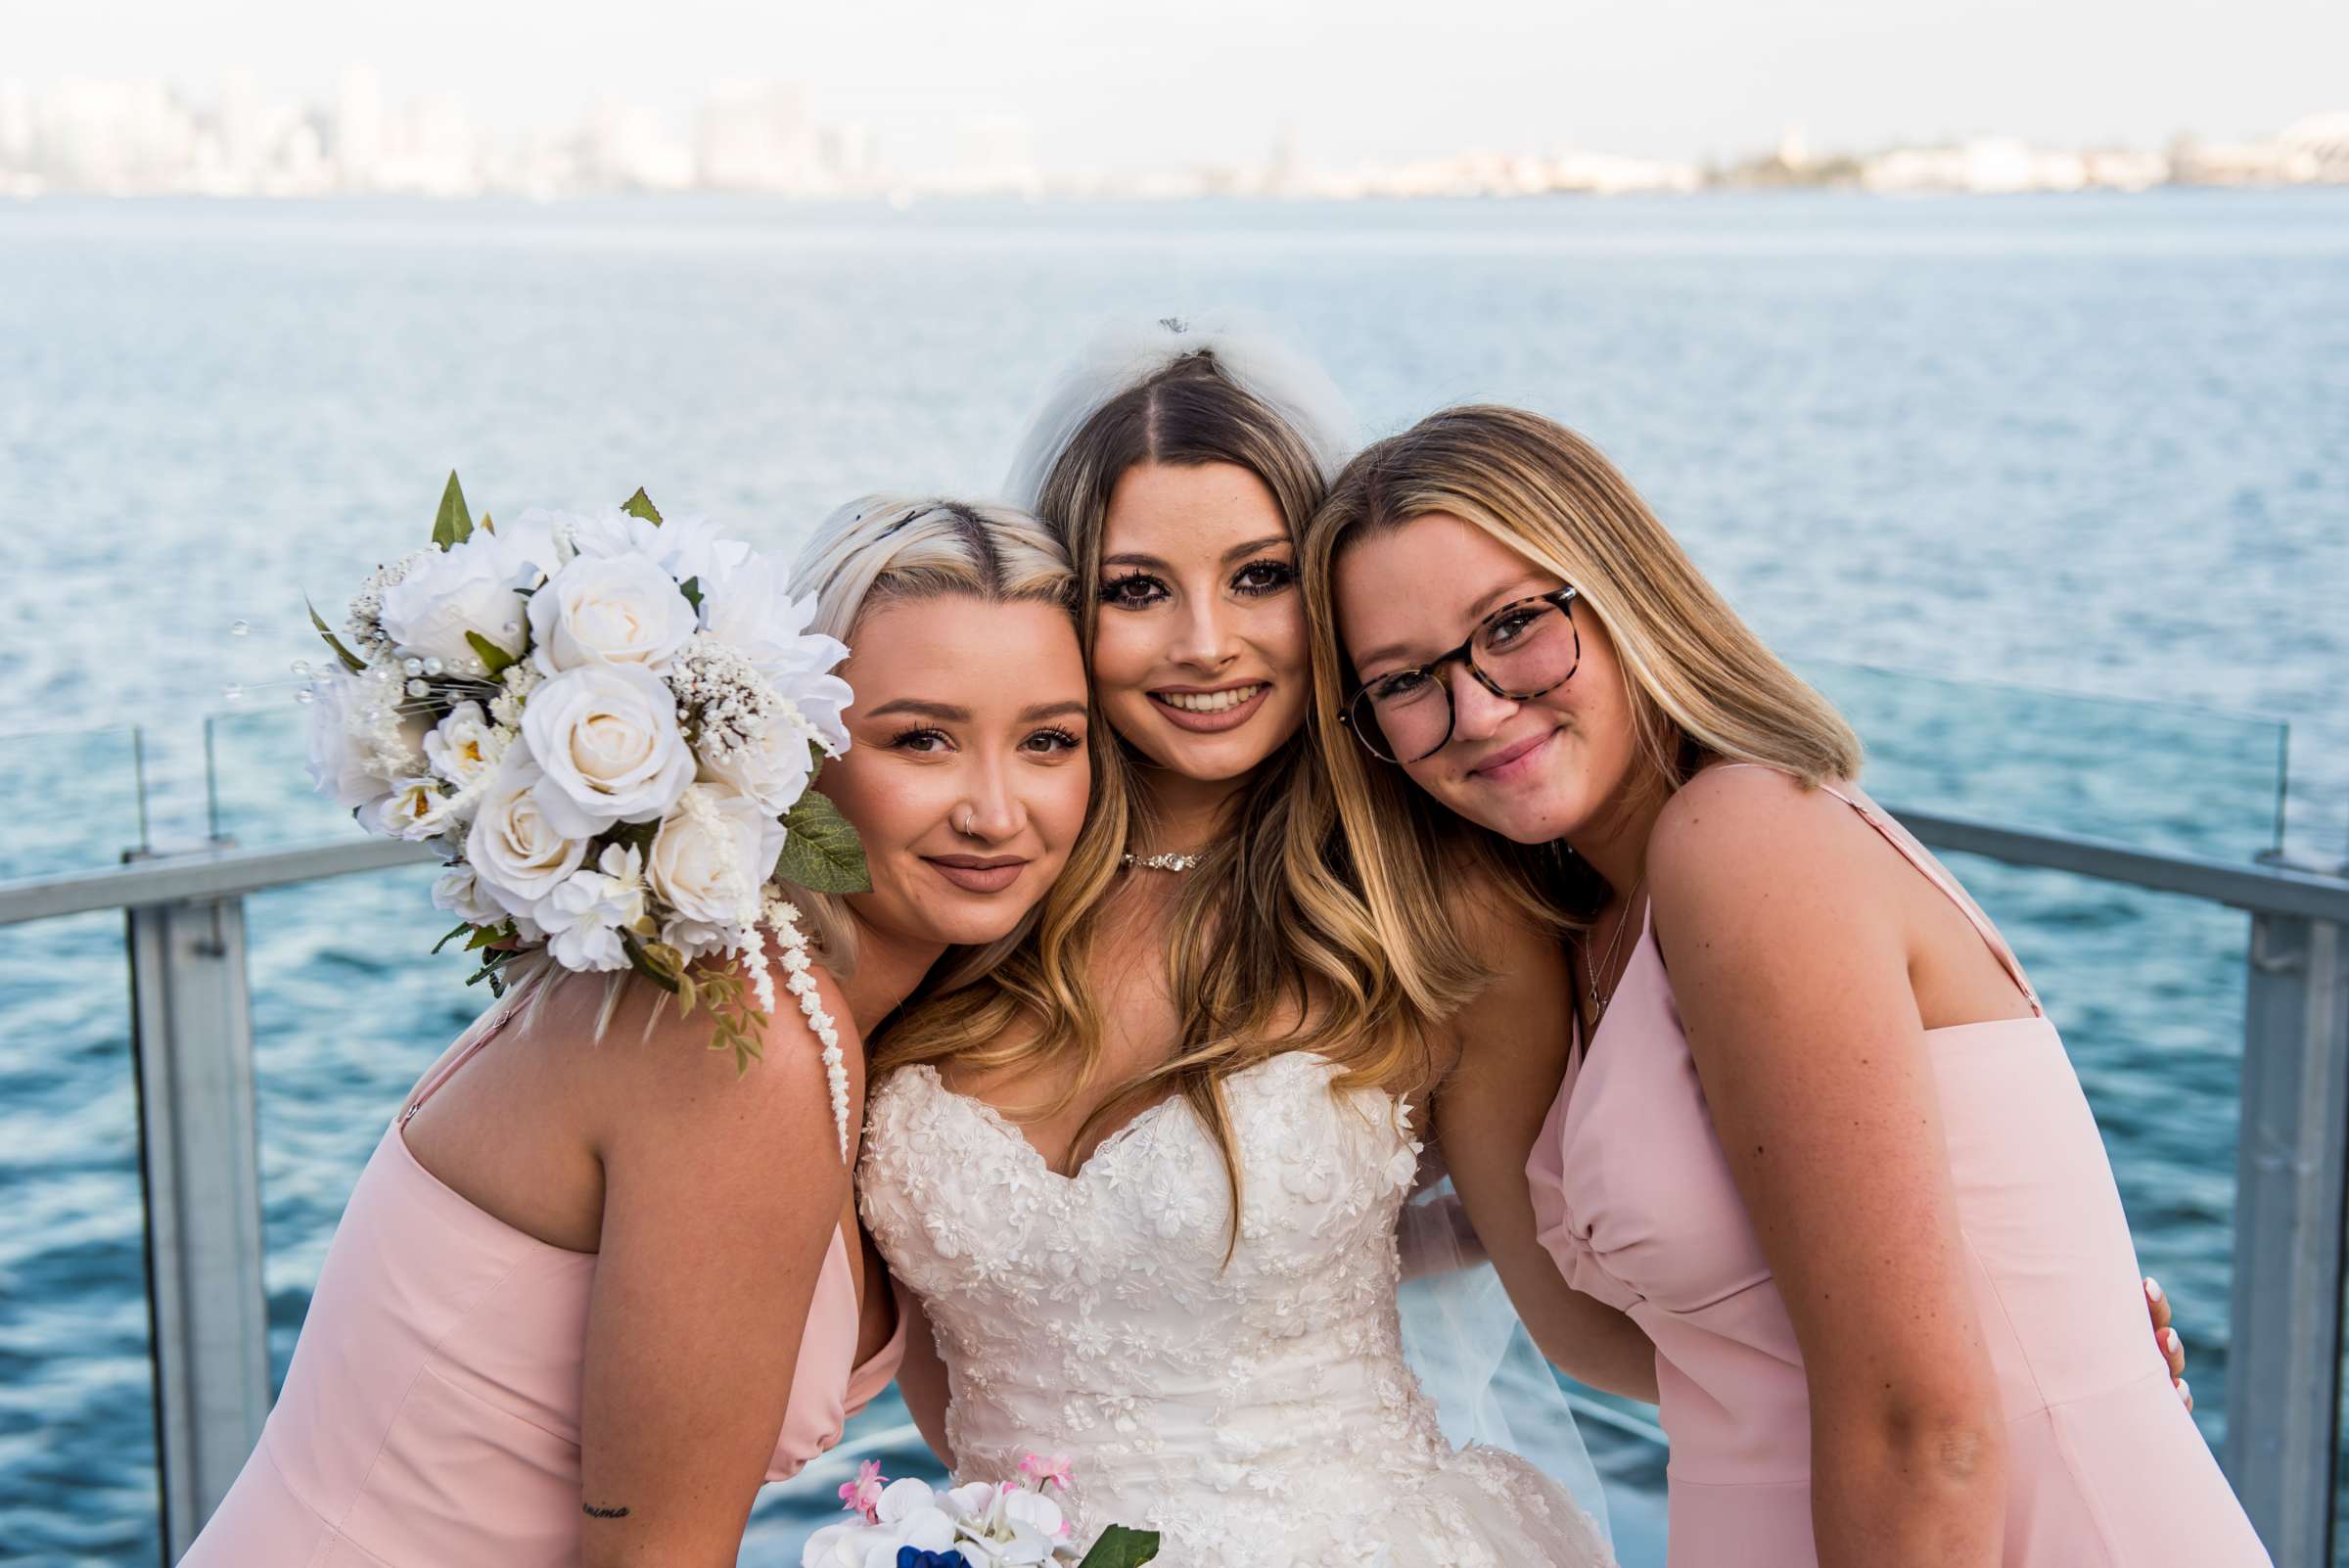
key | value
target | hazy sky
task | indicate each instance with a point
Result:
(1158, 86)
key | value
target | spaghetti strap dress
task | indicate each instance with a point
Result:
(1633, 1198)
(431, 1415)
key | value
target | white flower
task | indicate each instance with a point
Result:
(470, 587)
(687, 548)
(539, 540)
(589, 910)
(771, 768)
(713, 854)
(750, 610)
(607, 738)
(465, 746)
(517, 856)
(623, 609)
(910, 1515)
(461, 894)
(339, 763)
(407, 812)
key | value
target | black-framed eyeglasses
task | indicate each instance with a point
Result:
(1525, 649)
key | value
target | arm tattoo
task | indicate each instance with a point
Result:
(594, 1512)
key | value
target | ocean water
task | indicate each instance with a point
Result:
(2051, 493)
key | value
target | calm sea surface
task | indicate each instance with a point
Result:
(2052, 493)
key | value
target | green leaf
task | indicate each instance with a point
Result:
(821, 852)
(641, 505)
(691, 587)
(491, 653)
(1122, 1548)
(350, 661)
(815, 762)
(484, 936)
(646, 966)
(463, 926)
(454, 526)
(484, 525)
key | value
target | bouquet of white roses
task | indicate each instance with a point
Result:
(606, 726)
(983, 1524)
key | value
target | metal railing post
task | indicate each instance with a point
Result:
(199, 1161)
(2283, 1373)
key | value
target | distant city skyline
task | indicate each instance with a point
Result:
(1100, 92)
(139, 138)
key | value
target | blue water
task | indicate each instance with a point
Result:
(2014, 449)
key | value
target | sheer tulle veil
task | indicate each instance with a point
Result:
(1460, 1334)
(1257, 352)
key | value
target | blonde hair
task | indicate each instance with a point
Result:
(1267, 924)
(887, 549)
(1702, 686)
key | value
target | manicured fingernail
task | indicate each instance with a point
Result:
(2185, 1392)
(2153, 1288)
(2169, 1337)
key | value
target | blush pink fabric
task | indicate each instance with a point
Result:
(1633, 1198)
(431, 1416)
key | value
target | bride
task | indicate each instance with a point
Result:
(1145, 1176)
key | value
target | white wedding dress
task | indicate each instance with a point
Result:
(1257, 1413)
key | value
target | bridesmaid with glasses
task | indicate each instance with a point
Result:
(1792, 1104)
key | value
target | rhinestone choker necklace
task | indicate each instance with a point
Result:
(1164, 863)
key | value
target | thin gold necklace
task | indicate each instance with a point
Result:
(1598, 1004)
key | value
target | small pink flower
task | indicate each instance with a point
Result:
(1040, 1470)
(863, 1495)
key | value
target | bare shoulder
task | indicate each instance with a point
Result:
(663, 1066)
(1731, 830)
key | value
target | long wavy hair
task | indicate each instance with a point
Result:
(1702, 686)
(1270, 948)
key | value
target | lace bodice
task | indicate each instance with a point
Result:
(1257, 1411)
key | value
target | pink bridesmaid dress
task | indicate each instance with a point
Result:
(431, 1417)
(1633, 1198)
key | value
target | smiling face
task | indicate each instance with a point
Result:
(968, 778)
(1534, 770)
(1199, 647)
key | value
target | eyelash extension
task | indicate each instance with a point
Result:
(1072, 742)
(915, 732)
(1112, 591)
(1283, 575)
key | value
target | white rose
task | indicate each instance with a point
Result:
(463, 746)
(338, 760)
(685, 548)
(471, 587)
(771, 770)
(407, 812)
(517, 853)
(620, 610)
(607, 738)
(713, 854)
(589, 910)
(461, 894)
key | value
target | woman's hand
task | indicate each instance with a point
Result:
(2173, 1349)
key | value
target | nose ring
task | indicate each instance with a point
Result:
(962, 824)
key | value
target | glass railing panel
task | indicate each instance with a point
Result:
(258, 790)
(69, 801)
(77, 1461)
(2152, 775)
